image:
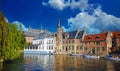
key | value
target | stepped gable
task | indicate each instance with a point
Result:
(95, 37)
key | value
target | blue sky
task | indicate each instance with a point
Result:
(96, 15)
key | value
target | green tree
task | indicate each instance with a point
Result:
(11, 40)
(3, 33)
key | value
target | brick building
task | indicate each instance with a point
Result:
(115, 39)
(99, 44)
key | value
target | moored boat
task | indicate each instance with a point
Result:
(91, 56)
(112, 58)
(73, 54)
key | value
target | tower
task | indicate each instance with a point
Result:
(84, 33)
(41, 30)
(59, 37)
(108, 42)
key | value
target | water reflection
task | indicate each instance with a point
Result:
(38, 62)
(1, 66)
(65, 63)
(30, 62)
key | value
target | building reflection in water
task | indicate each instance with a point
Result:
(38, 62)
(1, 66)
(65, 63)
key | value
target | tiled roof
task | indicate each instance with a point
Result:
(115, 34)
(30, 33)
(43, 35)
(80, 34)
(33, 45)
(95, 37)
(34, 33)
(72, 34)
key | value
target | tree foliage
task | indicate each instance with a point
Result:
(11, 40)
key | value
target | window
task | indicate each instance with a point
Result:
(72, 47)
(98, 49)
(72, 41)
(98, 43)
(77, 47)
(69, 47)
(66, 48)
(86, 48)
(97, 37)
(80, 40)
(103, 48)
(69, 42)
(52, 41)
(66, 42)
(63, 48)
(36, 47)
(88, 43)
(51, 47)
(81, 48)
(30, 47)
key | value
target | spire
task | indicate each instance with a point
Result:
(41, 28)
(58, 25)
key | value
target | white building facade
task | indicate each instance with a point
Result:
(42, 44)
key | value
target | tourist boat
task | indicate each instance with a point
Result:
(112, 58)
(91, 56)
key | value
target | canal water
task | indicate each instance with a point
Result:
(30, 62)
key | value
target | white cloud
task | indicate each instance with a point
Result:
(96, 22)
(65, 30)
(57, 4)
(80, 4)
(90, 15)
(18, 24)
(61, 4)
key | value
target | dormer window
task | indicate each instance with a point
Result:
(118, 34)
(89, 38)
(97, 37)
(68, 36)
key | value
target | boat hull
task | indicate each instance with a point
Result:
(72, 54)
(91, 56)
(111, 58)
